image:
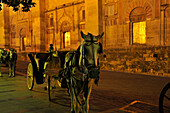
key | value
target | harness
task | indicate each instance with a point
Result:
(83, 53)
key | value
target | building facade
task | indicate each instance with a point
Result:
(126, 23)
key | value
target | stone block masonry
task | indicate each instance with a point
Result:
(153, 60)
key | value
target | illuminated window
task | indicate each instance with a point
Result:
(51, 21)
(83, 14)
(24, 40)
(139, 32)
(1, 6)
(66, 39)
(23, 43)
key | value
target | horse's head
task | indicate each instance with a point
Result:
(89, 51)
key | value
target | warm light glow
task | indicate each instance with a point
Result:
(24, 41)
(139, 32)
(2, 5)
(67, 39)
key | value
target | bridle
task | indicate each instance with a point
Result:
(93, 57)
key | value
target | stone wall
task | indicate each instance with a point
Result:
(151, 60)
(23, 56)
(146, 60)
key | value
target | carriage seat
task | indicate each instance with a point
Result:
(42, 56)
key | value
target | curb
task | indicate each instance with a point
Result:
(19, 73)
(149, 74)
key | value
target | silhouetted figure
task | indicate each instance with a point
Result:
(51, 49)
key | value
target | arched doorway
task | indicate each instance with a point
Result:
(23, 43)
(138, 26)
(65, 35)
(22, 39)
(66, 39)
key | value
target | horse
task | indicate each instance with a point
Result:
(3, 58)
(81, 69)
(9, 59)
(12, 58)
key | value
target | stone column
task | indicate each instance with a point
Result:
(2, 36)
(93, 13)
(42, 25)
(6, 26)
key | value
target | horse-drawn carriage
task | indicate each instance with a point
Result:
(43, 67)
(74, 70)
(8, 58)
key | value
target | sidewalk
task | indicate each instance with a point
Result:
(21, 67)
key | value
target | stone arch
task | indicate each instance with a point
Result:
(64, 20)
(64, 17)
(167, 12)
(65, 26)
(137, 14)
(81, 8)
(139, 3)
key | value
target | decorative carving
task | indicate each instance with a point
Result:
(65, 22)
(65, 26)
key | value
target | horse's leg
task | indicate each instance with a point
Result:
(86, 97)
(9, 66)
(76, 106)
(72, 102)
(72, 97)
(13, 68)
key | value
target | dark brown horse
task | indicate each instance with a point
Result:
(82, 68)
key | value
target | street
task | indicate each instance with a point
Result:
(117, 92)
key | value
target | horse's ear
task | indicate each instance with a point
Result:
(82, 34)
(100, 35)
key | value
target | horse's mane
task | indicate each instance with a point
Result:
(62, 55)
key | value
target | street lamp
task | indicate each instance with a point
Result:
(105, 17)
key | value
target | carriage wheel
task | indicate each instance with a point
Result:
(59, 83)
(164, 100)
(30, 76)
